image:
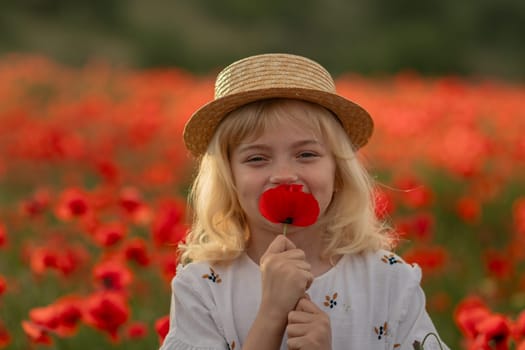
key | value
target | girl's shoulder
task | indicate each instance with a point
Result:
(386, 266)
(209, 272)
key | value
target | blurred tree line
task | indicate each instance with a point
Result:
(374, 37)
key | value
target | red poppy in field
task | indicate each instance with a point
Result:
(108, 170)
(112, 275)
(162, 326)
(5, 337)
(109, 234)
(46, 316)
(498, 264)
(57, 256)
(107, 312)
(419, 226)
(414, 193)
(468, 209)
(137, 330)
(69, 314)
(288, 204)
(133, 206)
(495, 330)
(168, 265)
(518, 329)
(3, 285)
(168, 227)
(73, 203)
(37, 204)
(42, 258)
(431, 259)
(468, 314)
(36, 333)
(384, 204)
(3, 236)
(136, 250)
(130, 200)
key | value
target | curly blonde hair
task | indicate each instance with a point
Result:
(219, 232)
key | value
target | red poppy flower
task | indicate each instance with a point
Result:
(137, 330)
(384, 204)
(3, 236)
(498, 264)
(73, 203)
(136, 250)
(106, 311)
(36, 333)
(162, 326)
(518, 330)
(468, 209)
(495, 329)
(3, 285)
(109, 234)
(130, 200)
(168, 227)
(430, 258)
(415, 194)
(69, 315)
(112, 275)
(288, 204)
(37, 204)
(468, 314)
(5, 337)
(167, 265)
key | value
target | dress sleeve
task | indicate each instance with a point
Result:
(414, 321)
(193, 324)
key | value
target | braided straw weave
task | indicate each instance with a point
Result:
(274, 76)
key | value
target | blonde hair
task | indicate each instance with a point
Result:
(219, 232)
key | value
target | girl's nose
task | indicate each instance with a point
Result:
(283, 177)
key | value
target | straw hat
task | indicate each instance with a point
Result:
(274, 76)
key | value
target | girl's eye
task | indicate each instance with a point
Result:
(307, 154)
(255, 159)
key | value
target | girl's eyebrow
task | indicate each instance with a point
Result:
(261, 146)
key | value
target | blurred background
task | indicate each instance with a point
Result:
(482, 37)
(94, 176)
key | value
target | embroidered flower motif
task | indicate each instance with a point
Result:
(331, 302)
(381, 331)
(391, 259)
(213, 276)
(232, 346)
(288, 204)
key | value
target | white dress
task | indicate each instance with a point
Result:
(374, 301)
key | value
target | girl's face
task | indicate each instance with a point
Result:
(285, 153)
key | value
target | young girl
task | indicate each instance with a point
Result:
(277, 123)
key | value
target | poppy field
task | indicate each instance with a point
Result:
(94, 176)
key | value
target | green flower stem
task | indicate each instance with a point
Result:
(418, 346)
(285, 227)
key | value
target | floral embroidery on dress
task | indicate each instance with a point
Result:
(330, 301)
(212, 276)
(382, 331)
(391, 259)
(232, 346)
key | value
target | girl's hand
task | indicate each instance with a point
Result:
(308, 327)
(285, 277)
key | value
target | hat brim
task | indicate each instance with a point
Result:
(201, 126)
